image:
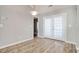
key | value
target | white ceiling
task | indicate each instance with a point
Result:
(44, 8)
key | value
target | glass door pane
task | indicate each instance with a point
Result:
(55, 26)
(47, 27)
(58, 26)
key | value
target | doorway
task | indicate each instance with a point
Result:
(55, 26)
(35, 27)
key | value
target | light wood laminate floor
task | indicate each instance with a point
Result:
(41, 45)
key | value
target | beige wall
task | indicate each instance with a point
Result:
(77, 27)
(71, 19)
(17, 24)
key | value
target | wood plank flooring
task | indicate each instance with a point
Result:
(41, 45)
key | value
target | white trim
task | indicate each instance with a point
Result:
(14, 43)
(77, 47)
(70, 42)
(60, 40)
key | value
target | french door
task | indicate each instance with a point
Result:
(55, 26)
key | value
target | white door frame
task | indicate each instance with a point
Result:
(65, 26)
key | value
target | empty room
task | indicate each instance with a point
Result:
(39, 29)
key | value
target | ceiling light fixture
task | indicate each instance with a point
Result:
(34, 13)
(33, 10)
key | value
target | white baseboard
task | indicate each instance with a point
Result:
(14, 43)
(58, 39)
(64, 41)
(77, 47)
